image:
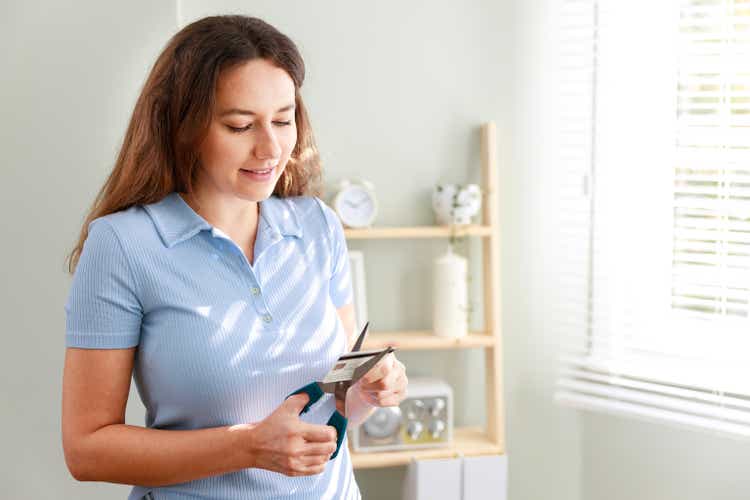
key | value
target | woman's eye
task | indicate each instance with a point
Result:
(237, 130)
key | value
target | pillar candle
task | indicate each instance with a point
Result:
(450, 296)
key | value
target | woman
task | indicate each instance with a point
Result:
(210, 270)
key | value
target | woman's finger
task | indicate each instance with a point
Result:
(389, 381)
(385, 397)
(380, 370)
(394, 382)
(313, 460)
(308, 470)
(313, 449)
(382, 384)
(318, 433)
(376, 397)
(392, 400)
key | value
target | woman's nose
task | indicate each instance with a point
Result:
(267, 145)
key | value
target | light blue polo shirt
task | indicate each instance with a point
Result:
(220, 341)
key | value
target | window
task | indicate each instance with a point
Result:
(656, 150)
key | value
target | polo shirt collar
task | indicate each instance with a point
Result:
(176, 221)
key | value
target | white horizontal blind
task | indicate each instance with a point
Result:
(665, 303)
(712, 175)
(576, 58)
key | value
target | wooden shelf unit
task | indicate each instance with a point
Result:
(425, 340)
(467, 441)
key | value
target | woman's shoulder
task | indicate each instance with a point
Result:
(129, 226)
(126, 220)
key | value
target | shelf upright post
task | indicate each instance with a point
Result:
(491, 282)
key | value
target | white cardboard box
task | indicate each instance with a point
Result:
(433, 480)
(470, 478)
(485, 478)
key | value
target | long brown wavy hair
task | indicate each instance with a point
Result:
(159, 153)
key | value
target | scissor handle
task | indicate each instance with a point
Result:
(337, 420)
(313, 390)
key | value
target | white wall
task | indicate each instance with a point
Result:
(626, 459)
(69, 76)
(396, 91)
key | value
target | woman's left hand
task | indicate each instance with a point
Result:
(385, 383)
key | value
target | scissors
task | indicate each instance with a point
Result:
(349, 368)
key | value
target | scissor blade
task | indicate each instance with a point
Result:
(329, 387)
(361, 338)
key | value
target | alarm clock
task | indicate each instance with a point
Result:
(355, 203)
(424, 419)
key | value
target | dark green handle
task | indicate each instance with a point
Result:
(337, 420)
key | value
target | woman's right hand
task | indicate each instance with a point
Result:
(284, 443)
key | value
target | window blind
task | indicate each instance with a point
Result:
(655, 146)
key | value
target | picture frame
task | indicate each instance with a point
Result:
(359, 287)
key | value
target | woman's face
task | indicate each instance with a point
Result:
(252, 129)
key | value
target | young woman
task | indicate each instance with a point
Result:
(209, 269)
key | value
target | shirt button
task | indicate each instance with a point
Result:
(267, 318)
(255, 290)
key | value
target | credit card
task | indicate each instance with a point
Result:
(345, 366)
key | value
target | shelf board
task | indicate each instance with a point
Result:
(426, 340)
(467, 442)
(418, 232)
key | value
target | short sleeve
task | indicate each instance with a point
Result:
(340, 285)
(103, 310)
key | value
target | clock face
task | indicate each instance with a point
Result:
(356, 206)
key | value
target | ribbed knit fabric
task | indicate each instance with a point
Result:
(220, 341)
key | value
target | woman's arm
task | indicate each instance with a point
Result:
(99, 446)
(346, 314)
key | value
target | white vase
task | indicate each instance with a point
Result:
(454, 204)
(450, 296)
